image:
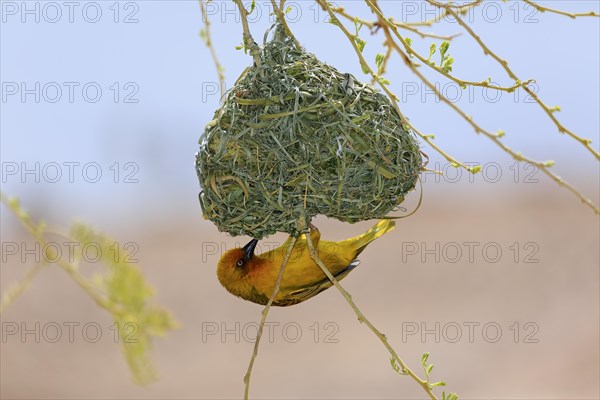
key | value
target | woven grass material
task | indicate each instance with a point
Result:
(295, 138)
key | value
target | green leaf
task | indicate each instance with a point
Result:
(334, 21)
(443, 49)
(447, 66)
(357, 26)
(394, 365)
(360, 43)
(445, 59)
(379, 58)
(429, 368)
(474, 170)
(432, 49)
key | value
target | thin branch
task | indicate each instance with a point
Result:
(372, 24)
(554, 11)
(361, 318)
(17, 289)
(263, 319)
(464, 7)
(70, 269)
(392, 96)
(426, 34)
(249, 42)
(205, 34)
(383, 20)
(281, 16)
(461, 9)
(549, 111)
(496, 138)
(386, 58)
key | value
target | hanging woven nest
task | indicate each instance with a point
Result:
(295, 138)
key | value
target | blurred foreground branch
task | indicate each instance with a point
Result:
(121, 289)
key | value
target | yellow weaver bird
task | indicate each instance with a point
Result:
(252, 277)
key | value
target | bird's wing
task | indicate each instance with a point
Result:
(300, 295)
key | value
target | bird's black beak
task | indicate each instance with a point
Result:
(249, 249)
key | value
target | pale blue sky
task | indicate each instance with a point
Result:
(161, 62)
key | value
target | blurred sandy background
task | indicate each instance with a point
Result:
(558, 296)
(527, 318)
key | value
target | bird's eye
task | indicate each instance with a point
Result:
(239, 263)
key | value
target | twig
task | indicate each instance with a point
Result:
(70, 269)
(462, 9)
(208, 41)
(425, 34)
(372, 24)
(549, 111)
(281, 16)
(361, 318)
(249, 42)
(16, 290)
(461, 82)
(386, 58)
(496, 138)
(264, 317)
(568, 14)
(391, 95)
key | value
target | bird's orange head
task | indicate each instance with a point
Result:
(233, 269)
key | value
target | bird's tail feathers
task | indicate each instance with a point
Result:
(383, 226)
